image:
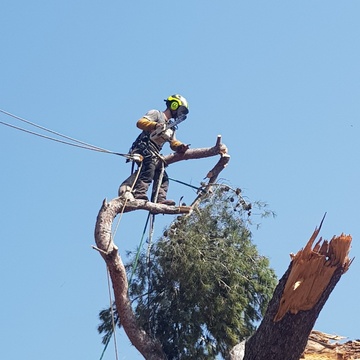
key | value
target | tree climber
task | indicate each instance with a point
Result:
(157, 128)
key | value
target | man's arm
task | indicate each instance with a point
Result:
(150, 121)
(178, 146)
(146, 124)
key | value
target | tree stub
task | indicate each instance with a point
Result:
(298, 299)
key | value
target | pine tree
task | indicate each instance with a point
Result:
(204, 287)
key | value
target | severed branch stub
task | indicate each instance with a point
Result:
(298, 299)
(199, 153)
(212, 175)
(149, 347)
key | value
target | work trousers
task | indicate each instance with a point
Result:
(150, 171)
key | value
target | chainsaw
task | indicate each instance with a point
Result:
(160, 131)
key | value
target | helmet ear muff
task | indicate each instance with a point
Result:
(174, 105)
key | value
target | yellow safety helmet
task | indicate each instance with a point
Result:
(173, 102)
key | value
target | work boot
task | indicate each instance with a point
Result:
(162, 195)
(125, 187)
(125, 192)
(140, 190)
(140, 196)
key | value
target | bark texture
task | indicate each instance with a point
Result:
(149, 347)
(200, 153)
(298, 299)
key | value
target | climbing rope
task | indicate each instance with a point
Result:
(112, 314)
(155, 198)
(151, 228)
(151, 218)
(109, 285)
(125, 202)
(139, 248)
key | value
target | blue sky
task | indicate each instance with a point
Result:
(279, 80)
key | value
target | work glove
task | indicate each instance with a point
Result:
(182, 148)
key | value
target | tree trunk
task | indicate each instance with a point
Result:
(298, 300)
(149, 347)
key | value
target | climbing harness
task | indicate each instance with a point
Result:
(145, 142)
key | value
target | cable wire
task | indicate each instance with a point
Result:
(49, 130)
(75, 142)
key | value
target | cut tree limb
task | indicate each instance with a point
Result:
(199, 153)
(149, 347)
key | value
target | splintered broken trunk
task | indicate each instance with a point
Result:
(323, 346)
(298, 300)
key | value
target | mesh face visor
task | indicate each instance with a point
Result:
(182, 110)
